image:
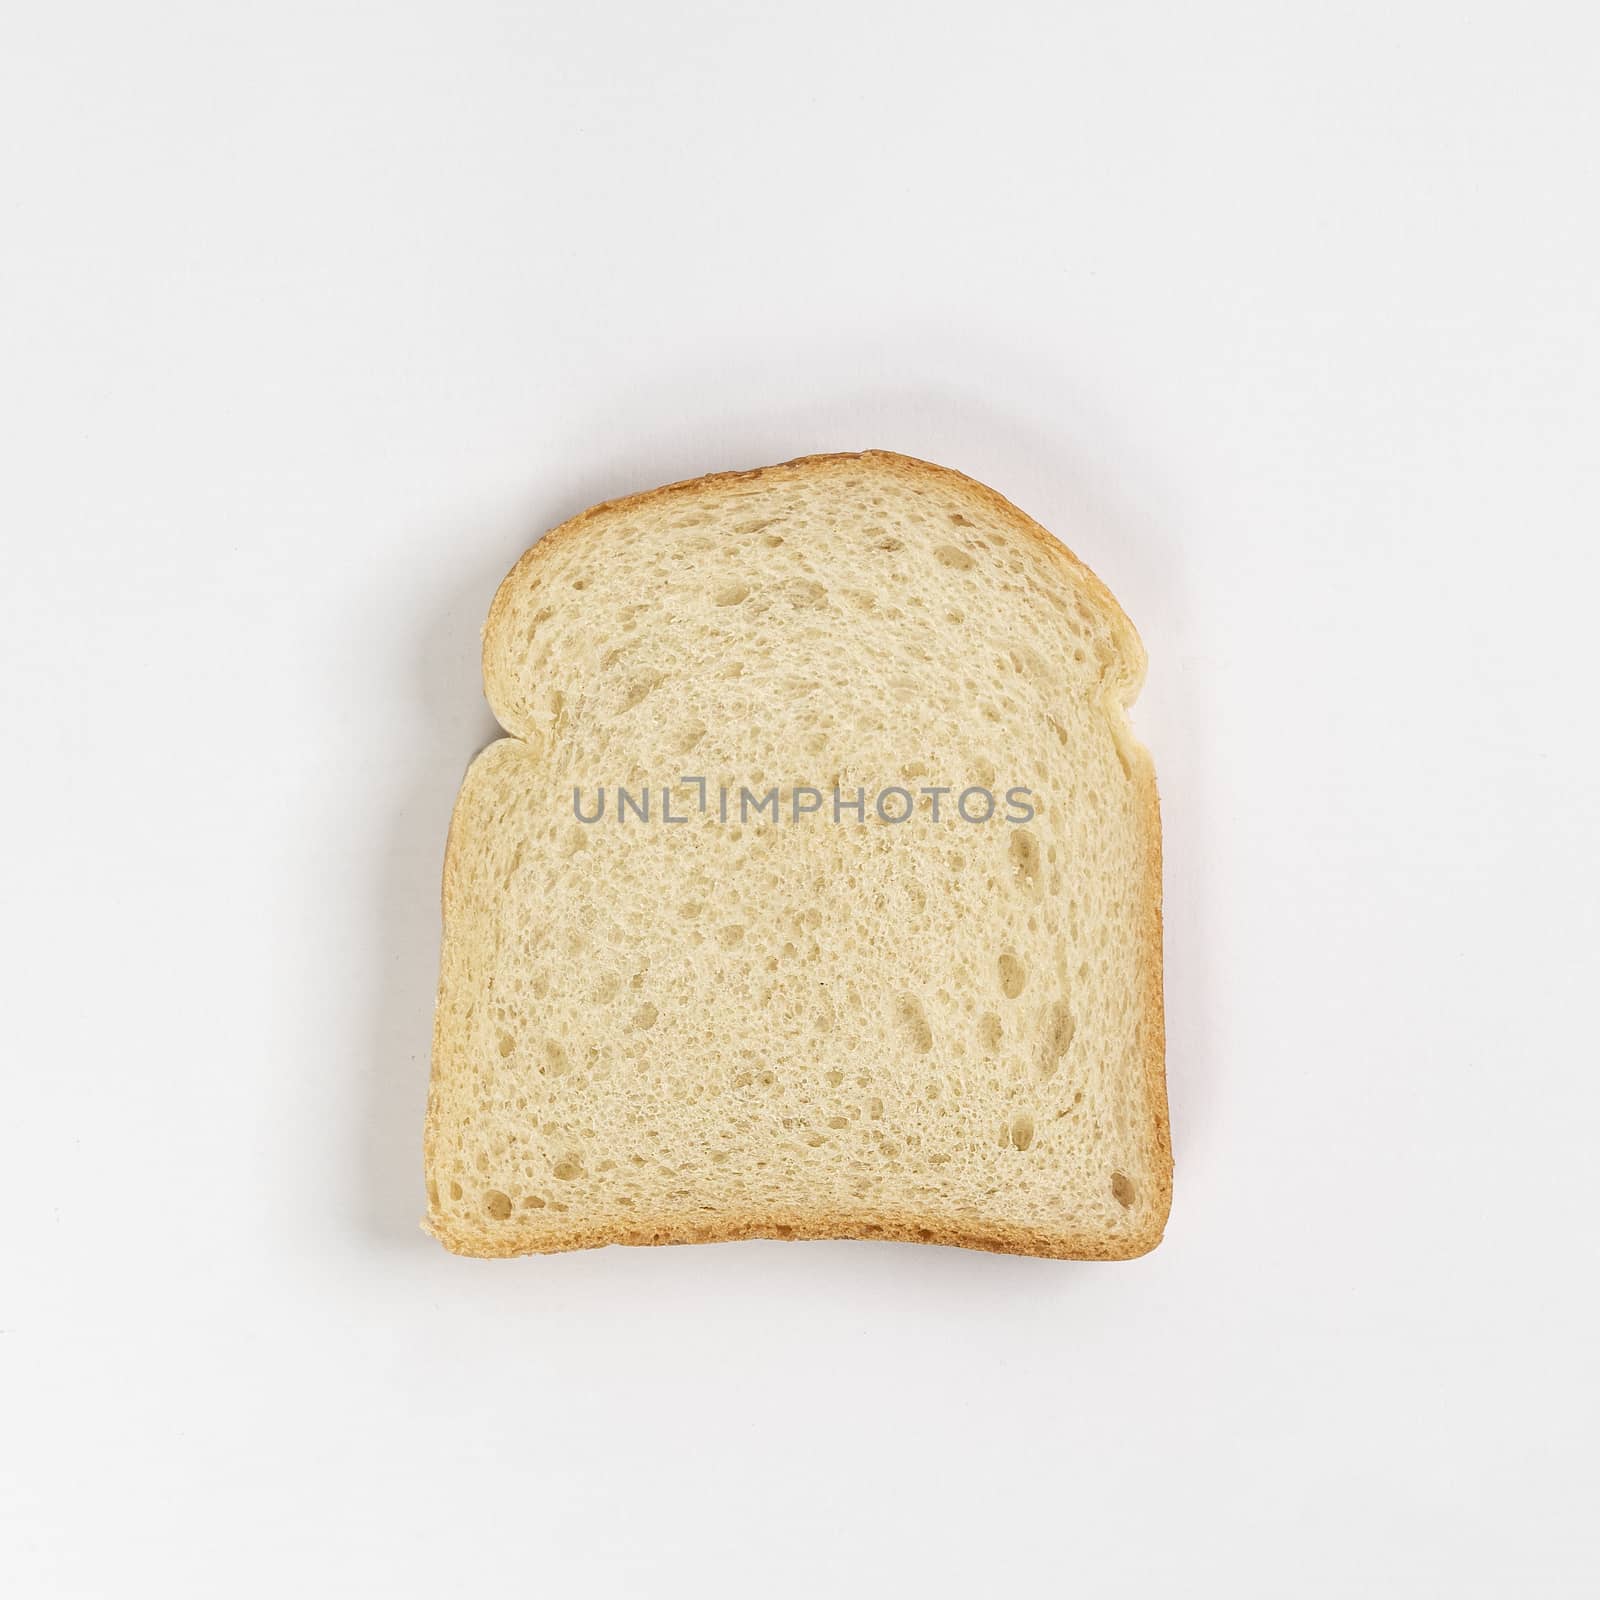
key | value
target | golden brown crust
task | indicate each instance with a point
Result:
(1153, 1025)
(997, 1237)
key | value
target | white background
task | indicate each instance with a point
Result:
(1285, 317)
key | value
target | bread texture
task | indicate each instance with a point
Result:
(792, 1014)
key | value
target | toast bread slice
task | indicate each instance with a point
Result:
(792, 1020)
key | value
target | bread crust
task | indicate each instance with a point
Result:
(997, 1238)
(1002, 1238)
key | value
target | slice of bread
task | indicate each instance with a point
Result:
(800, 1017)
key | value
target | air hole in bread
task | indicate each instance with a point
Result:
(730, 594)
(640, 689)
(1025, 855)
(913, 1022)
(498, 1205)
(1122, 1188)
(1060, 1026)
(1022, 1131)
(953, 556)
(1013, 975)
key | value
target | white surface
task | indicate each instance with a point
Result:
(1285, 318)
